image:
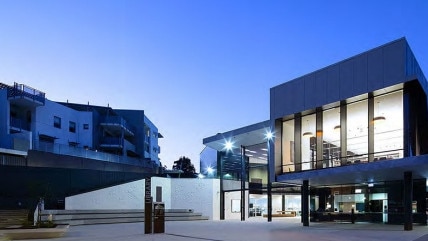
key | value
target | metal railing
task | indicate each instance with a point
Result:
(343, 161)
(118, 120)
(62, 149)
(20, 124)
(21, 90)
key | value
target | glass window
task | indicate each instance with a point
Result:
(57, 122)
(72, 126)
(357, 132)
(85, 126)
(288, 146)
(331, 137)
(308, 142)
(388, 126)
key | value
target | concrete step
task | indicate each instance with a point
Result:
(84, 217)
(12, 217)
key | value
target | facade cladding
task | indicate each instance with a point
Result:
(353, 136)
(97, 146)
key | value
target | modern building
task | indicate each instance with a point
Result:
(350, 139)
(55, 149)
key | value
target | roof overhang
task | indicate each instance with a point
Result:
(245, 136)
(388, 170)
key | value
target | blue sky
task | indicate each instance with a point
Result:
(197, 67)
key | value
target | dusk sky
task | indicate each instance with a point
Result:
(197, 67)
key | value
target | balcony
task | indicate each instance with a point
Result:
(18, 125)
(111, 143)
(24, 95)
(114, 125)
(68, 150)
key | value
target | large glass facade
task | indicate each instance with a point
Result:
(369, 129)
(288, 146)
(357, 132)
(331, 137)
(388, 126)
(308, 143)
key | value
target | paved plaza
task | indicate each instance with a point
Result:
(251, 230)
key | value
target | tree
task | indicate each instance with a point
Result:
(184, 164)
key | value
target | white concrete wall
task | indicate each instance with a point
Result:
(124, 196)
(228, 197)
(165, 183)
(201, 195)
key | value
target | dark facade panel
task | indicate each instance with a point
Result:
(346, 79)
(321, 87)
(333, 83)
(360, 85)
(375, 69)
(413, 70)
(311, 92)
(393, 63)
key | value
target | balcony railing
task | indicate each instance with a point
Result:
(117, 120)
(112, 141)
(23, 91)
(90, 154)
(20, 124)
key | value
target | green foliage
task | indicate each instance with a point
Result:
(184, 164)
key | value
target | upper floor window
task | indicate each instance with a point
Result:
(85, 126)
(72, 126)
(57, 122)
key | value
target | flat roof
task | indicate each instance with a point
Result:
(244, 136)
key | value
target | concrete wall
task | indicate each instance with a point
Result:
(44, 120)
(201, 195)
(228, 197)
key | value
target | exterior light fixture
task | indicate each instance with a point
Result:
(269, 135)
(228, 145)
(200, 175)
(210, 170)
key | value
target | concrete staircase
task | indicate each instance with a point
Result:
(85, 217)
(10, 218)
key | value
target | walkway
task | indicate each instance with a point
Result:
(251, 230)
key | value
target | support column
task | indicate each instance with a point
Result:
(243, 177)
(370, 122)
(305, 203)
(408, 196)
(343, 133)
(319, 140)
(269, 180)
(220, 172)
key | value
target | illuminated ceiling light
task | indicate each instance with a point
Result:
(264, 149)
(358, 190)
(308, 134)
(249, 155)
